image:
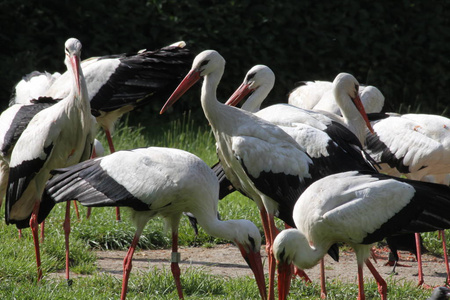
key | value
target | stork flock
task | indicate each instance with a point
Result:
(328, 163)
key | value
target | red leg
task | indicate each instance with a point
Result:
(273, 231)
(88, 214)
(20, 233)
(382, 286)
(361, 295)
(444, 246)
(174, 264)
(267, 234)
(76, 209)
(419, 258)
(66, 226)
(42, 231)
(118, 213)
(112, 150)
(323, 287)
(127, 265)
(34, 231)
(300, 273)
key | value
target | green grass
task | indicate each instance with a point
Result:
(102, 232)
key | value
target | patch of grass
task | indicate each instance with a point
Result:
(103, 232)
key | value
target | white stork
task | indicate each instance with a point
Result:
(260, 159)
(156, 181)
(58, 136)
(416, 146)
(116, 84)
(318, 95)
(332, 147)
(308, 93)
(13, 122)
(358, 209)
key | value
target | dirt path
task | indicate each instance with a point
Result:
(225, 260)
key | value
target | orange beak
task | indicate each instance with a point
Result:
(75, 62)
(254, 261)
(362, 111)
(191, 78)
(284, 280)
(242, 91)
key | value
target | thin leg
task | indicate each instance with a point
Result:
(66, 226)
(34, 231)
(267, 234)
(273, 231)
(118, 213)
(361, 295)
(127, 265)
(174, 264)
(382, 286)
(323, 287)
(300, 273)
(88, 214)
(444, 246)
(419, 258)
(76, 209)
(42, 231)
(112, 150)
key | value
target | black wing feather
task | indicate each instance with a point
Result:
(143, 77)
(21, 120)
(89, 184)
(20, 177)
(427, 211)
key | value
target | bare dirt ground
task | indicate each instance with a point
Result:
(225, 260)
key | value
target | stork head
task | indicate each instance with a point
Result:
(205, 63)
(259, 78)
(247, 238)
(73, 53)
(346, 85)
(291, 246)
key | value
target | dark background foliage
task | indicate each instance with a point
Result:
(402, 47)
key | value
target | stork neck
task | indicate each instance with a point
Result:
(305, 256)
(351, 116)
(253, 103)
(211, 106)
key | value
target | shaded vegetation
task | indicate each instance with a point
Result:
(399, 46)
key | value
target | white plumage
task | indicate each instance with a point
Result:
(58, 136)
(416, 145)
(116, 84)
(360, 209)
(157, 181)
(318, 95)
(254, 153)
(316, 133)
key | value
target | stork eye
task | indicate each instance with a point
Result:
(356, 87)
(204, 63)
(252, 241)
(250, 76)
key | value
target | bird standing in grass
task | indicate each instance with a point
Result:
(58, 136)
(156, 181)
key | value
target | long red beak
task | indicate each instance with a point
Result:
(254, 261)
(75, 62)
(284, 279)
(239, 94)
(362, 111)
(191, 78)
